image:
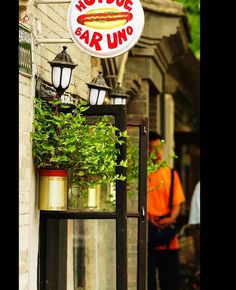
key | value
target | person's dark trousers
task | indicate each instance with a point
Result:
(167, 263)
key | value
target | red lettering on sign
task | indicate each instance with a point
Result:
(128, 5)
(129, 30)
(115, 38)
(120, 2)
(78, 31)
(121, 36)
(80, 6)
(112, 43)
(95, 40)
(89, 2)
(85, 36)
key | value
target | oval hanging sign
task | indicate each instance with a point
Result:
(105, 28)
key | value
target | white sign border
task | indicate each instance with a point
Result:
(107, 55)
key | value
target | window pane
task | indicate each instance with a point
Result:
(100, 198)
(94, 254)
(78, 255)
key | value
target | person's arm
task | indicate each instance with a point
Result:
(178, 199)
(173, 215)
(161, 223)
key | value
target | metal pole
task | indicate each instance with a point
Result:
(122, 68)
(52, 40)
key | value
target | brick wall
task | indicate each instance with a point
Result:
(153, 113)
(139, 104)
(51, 20)
(26, 179)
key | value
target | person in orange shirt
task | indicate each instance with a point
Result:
(163, 258)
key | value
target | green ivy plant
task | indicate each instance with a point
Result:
(153, 164)
(96, 159)
(62, 139)
(56, 134)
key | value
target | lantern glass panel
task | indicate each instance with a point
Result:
(101, 97)
(118, 101)
(65, 81)
(56, 75)
(113, 101)
(93, 96)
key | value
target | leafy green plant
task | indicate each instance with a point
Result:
(62, 139)
(153, 164)
(96, 159)
(56, 135)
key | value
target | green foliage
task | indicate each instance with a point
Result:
(56, 135)
(63, 140)
(132, 168)
(96, 159)
(173, 155)
(153, 164)
(192, 8)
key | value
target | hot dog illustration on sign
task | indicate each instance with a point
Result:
(105, 28)
(105, 18)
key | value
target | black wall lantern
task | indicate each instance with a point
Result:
(117, 96)
(62, 67)
(97, 90)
